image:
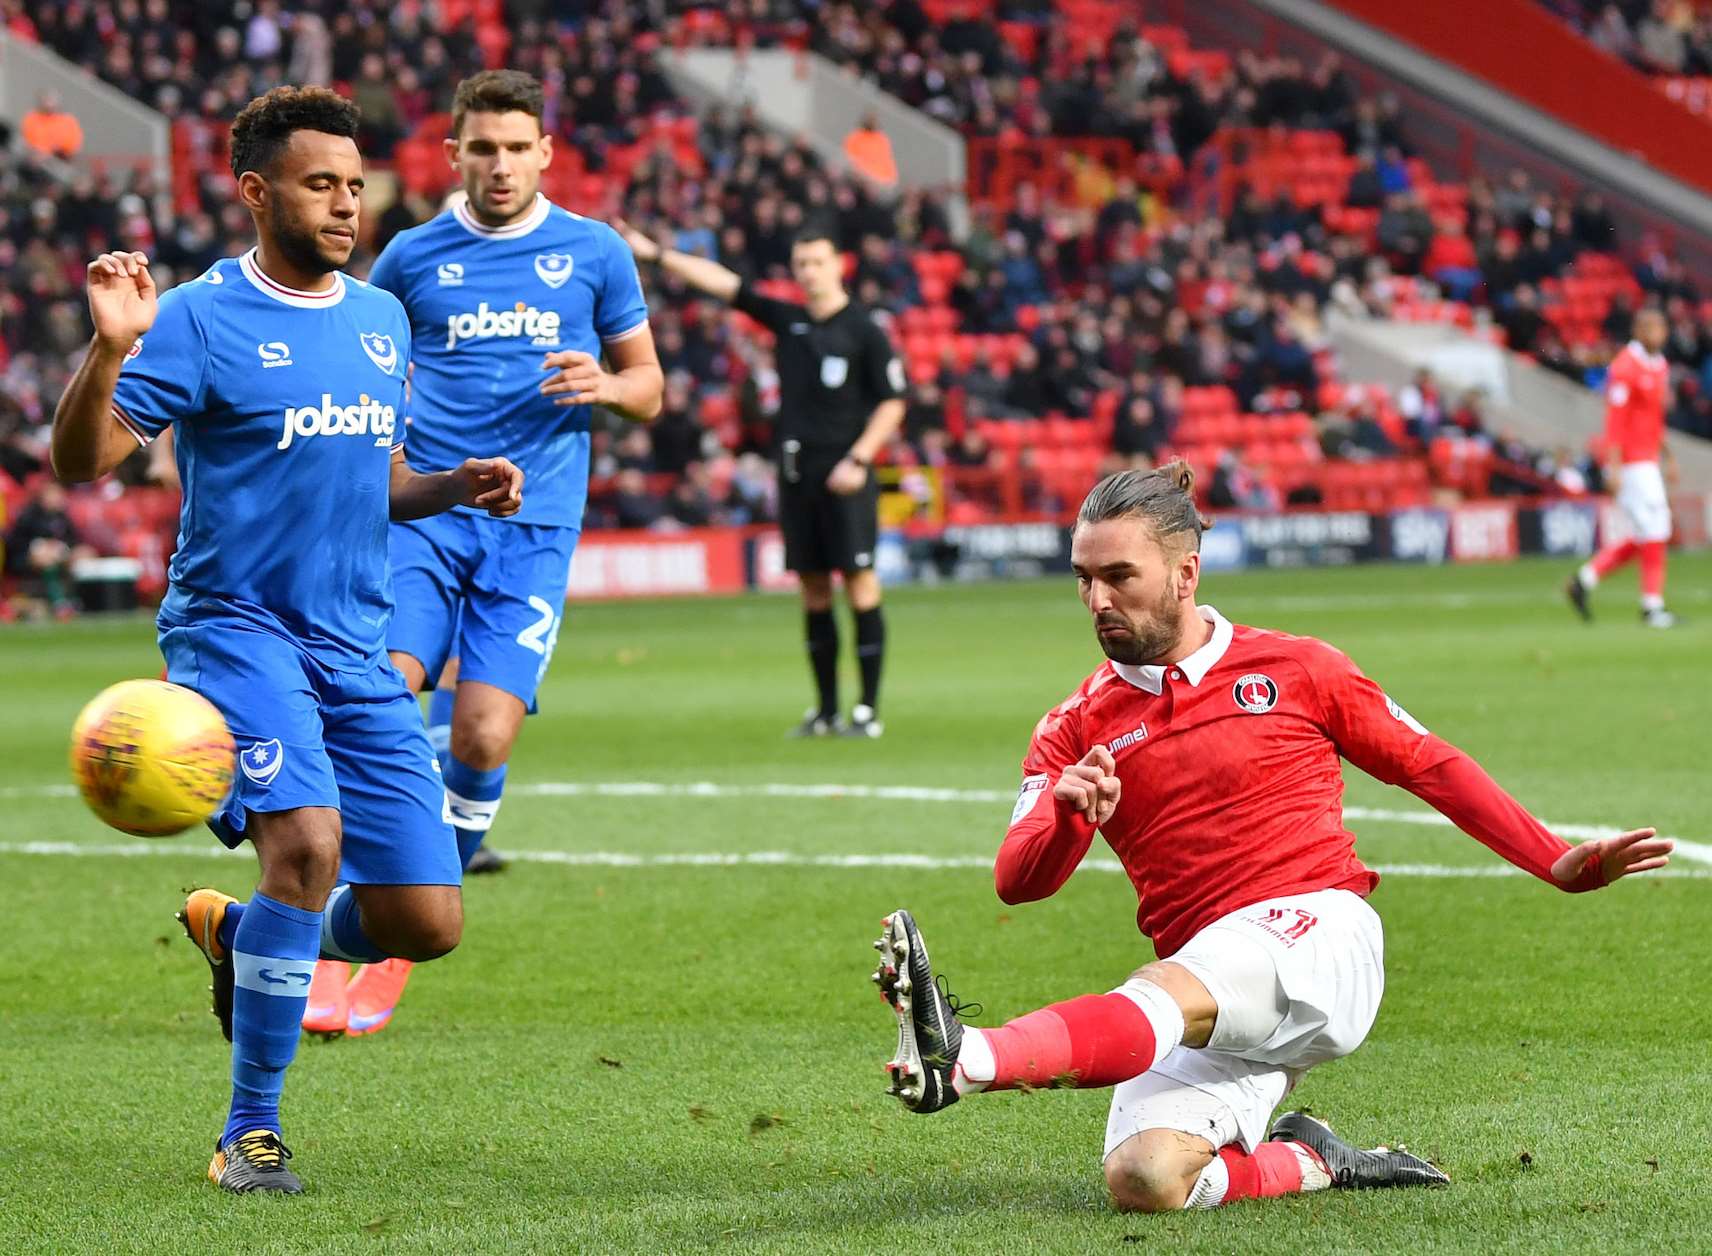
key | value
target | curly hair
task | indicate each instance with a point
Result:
(1165, 497)
(497, 91)
(261, 132)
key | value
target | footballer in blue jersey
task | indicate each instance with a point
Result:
(283, 381)
(513, 302)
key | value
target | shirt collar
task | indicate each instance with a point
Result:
(324, 299)
(511, 231)
(1640, 351)
(1151, 676)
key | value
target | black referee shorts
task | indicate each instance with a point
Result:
(825, 531)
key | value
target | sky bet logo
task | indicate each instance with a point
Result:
(367, 417)
(541, 326)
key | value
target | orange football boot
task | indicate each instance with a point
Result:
(374, 993)
(329, 1001)
(203, 912)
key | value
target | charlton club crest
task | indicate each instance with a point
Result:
(1255, 693)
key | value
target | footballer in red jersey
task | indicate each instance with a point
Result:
(1638, 466)
(1206, 754)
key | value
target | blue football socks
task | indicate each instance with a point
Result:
(342, 935)
(440, 724)
(473, 796)
(274, 947)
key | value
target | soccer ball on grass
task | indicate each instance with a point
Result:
(151, 758)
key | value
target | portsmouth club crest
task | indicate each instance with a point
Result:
(1255, 693)
(553, 268)
(382, 352)
(261, 762)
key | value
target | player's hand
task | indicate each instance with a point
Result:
(1638, 850)
(1091, 786)
(645, 249)
(122, 298)
(848, 477)
(578, 380)
(491, 484)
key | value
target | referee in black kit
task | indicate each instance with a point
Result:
(842, 397)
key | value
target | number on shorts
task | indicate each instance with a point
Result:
(541, 635)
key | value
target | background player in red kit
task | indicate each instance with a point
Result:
(1637, 388)
(1207, 755)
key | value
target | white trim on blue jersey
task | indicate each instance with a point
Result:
(324, 300)
(511, 231)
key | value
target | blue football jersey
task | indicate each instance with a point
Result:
(286, 407)
(486, 305)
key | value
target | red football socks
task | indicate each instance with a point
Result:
(1612, 557)
(1273, 1169)
(1094, 1040)
(1652, 571)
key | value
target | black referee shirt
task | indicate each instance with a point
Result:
(832, 374)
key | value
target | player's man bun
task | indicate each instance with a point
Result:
(1164, 496)
(497, 91)
(263, 129)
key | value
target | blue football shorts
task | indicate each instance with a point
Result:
(311, 736)
(486, 591)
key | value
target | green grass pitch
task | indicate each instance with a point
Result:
(632, 1053)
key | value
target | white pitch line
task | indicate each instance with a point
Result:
(1694, 851)
(734, 859)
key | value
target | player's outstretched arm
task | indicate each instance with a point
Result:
(88, 441)
(1638, 850)
(1387, 743)
(491, 484)
(701, 273)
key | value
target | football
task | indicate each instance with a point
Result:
(151, 758)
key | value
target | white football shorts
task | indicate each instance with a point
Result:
(1297, 981)
(1642, 498)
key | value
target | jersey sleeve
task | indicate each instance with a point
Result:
(620, 309)
(881, 365)
(772, 314)
(1389, 744)
(402, 429)
(1046, 839)
(165, 377)
(1619, 395)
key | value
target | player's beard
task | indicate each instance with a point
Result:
(1146, 638)
(300, 244)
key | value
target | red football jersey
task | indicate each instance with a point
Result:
(1232, 789)
(1637, 390)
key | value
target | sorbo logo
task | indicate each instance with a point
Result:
(541, 326)
(368, 417)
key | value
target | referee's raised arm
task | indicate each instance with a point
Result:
(701, 273)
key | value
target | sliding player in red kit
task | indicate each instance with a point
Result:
(1638, 466)
(1206, 754)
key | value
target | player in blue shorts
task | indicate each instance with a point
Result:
(512, 302)
(284, 383)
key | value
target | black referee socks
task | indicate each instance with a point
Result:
(870, 653)
(822, 632)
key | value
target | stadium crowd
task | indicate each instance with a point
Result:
(1122, 299)
(1655, 36)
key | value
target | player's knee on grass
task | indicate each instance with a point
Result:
(299, 854)
(1155, 1170)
